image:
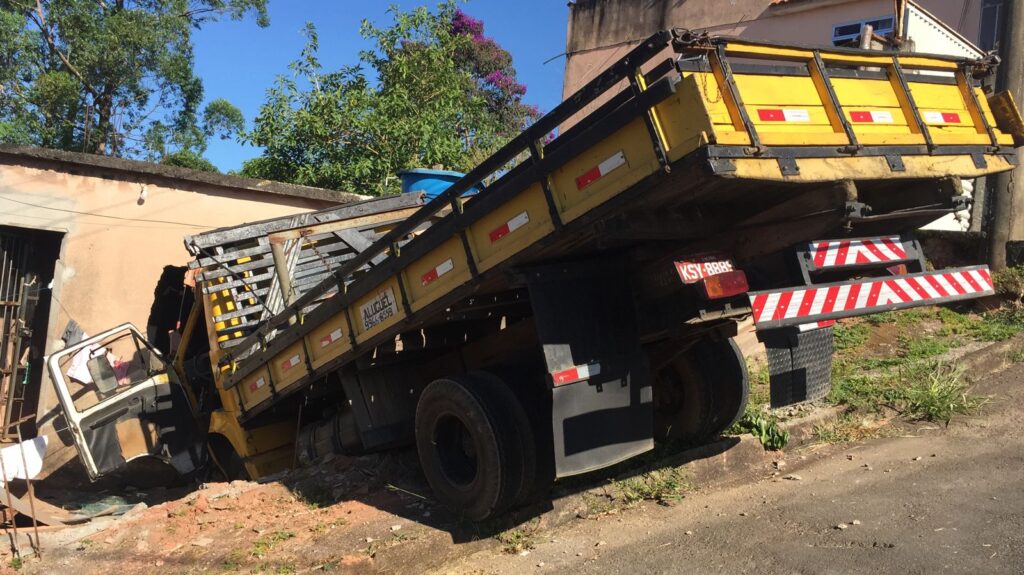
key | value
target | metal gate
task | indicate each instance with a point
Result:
(18, 296)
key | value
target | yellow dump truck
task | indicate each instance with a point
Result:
(583, 303)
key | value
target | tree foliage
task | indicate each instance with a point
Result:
(433, 90)
(111, 76)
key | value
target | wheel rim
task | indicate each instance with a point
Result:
(456, 450)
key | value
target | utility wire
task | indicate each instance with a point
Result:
(106, 216)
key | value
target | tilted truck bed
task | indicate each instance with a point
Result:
(723, 124)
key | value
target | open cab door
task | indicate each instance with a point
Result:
(124, 402)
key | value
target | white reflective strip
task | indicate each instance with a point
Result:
(794, 303)
(927, 286)
(984, 283)
(796, 115)
(819, 301)
(611, 163)
(444, 267)
(909, 290)
(881, 116)
(840, 303)
(887, 251)
(769, 305)
(934, 118)
(830, 254)
(862, 297)
(861, 248)
(959, 278)
(941, 278)
(517, 222)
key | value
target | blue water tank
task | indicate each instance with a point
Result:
(431, 182)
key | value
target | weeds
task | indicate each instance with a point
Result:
(939, 395)
(848, 428)
(264, 545)
(17, 563)
(661, 485)
(1016, 355)
(850, 335)
(519, 539)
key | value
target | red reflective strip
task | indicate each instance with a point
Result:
(819, 254)
(898, 290)
(565, 376)
(875, 291)
(984, 273)
(917, 287)
(757, 306)
(771, 115)
(956, 285)
(805, 306)
(429, 276)
(851, 298)
(589, 177)
(780, 310)
(872, 247)
(861, 117)
(936, 286)
(896, 247)
(830, 299)
(844, 247)
(951, 117)
(499, 232)
(971, 280)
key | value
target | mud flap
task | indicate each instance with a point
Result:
(799, 364)
(602, 409)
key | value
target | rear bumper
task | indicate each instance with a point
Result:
(823, 302)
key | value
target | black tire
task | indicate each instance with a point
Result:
(520, 456)
(464, 448)
(701, 392)
(723, 364)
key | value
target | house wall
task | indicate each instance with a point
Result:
(602, 31)
(108, 268)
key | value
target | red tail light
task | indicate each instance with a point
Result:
(724, 285)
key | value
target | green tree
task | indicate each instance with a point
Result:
(433, 91)
(112, 77)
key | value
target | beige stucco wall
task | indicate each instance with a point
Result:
(109, 267)
(602, 31)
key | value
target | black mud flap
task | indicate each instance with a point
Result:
(602, 408)
(799, 364)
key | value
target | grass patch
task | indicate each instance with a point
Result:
(519, 539)
(1016, 355)
(847, 428)
(850, 335)
(264, 545)
(661, 485)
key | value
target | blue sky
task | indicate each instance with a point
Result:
(239, 60)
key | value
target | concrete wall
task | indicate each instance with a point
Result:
(602, 31)
(109, 267)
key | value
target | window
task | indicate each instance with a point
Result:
(109, 367)
(849, 33)
(991, 14)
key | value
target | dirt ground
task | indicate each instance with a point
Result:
(933, 498)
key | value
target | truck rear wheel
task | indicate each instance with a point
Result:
(701, 392)
(467, 445)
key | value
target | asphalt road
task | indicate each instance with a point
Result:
(957, 509)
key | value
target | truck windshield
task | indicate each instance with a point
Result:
(109, 367)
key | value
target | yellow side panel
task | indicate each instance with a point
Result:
(853, 92)
(288, 366)
(685, 119)
(510, 228)
(377, 310)
(937, 96)
(777, 91)
(629, 156)
(436, 273)
(255, 387)
(867, 168)
(329, 340)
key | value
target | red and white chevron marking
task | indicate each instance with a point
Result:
(836, 253)
(290, 362)
(798, 305)
(615, 161)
